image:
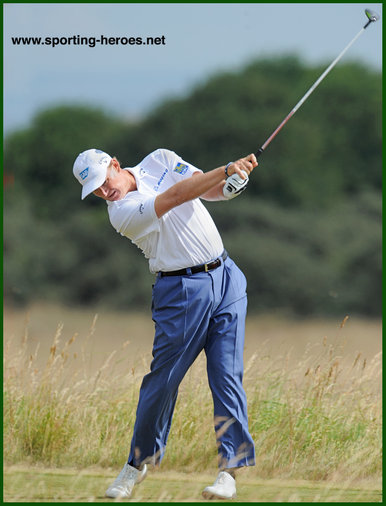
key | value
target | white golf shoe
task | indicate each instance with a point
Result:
(223, 488)
(124, 484)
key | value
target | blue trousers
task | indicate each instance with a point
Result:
(202, 311)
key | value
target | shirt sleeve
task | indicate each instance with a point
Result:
(134, 217)
(179, 168)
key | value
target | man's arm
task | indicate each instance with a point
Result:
(215, 193)
(206, 185)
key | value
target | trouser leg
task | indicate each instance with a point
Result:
(181, 312)
(224, 350)
(155, 409)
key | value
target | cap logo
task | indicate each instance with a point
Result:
(84, 174)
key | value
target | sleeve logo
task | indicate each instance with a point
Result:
(181, 168)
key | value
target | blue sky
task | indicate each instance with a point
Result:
(200, 40)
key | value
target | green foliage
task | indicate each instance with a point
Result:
(306, 232)
(308, 262)
(41, 157)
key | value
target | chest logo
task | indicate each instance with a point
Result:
(156, 187)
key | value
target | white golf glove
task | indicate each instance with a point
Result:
(234, 185)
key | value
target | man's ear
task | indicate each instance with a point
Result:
(115, 164)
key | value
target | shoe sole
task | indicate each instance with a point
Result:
(117, 495)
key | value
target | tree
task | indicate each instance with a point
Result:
(306, 231)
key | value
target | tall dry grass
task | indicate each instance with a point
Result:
(317, 420)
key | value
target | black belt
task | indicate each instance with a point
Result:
(197, 268)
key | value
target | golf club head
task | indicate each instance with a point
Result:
(372, 15)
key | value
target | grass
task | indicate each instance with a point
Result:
(317, 418)
(45, 485)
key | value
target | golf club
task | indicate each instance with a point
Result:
(372, 17)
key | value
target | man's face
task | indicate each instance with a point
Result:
(115, 186)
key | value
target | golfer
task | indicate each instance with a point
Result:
(199, 300)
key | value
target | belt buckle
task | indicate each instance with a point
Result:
(206, 267)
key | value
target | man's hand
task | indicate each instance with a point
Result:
(246, 164)
(234, 185)
(237, 180)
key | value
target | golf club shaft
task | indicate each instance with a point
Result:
(304, 98)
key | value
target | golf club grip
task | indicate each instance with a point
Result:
(259, 152)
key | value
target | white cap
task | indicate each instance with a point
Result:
(90, 169)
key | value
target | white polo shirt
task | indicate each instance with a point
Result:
(184, 236)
